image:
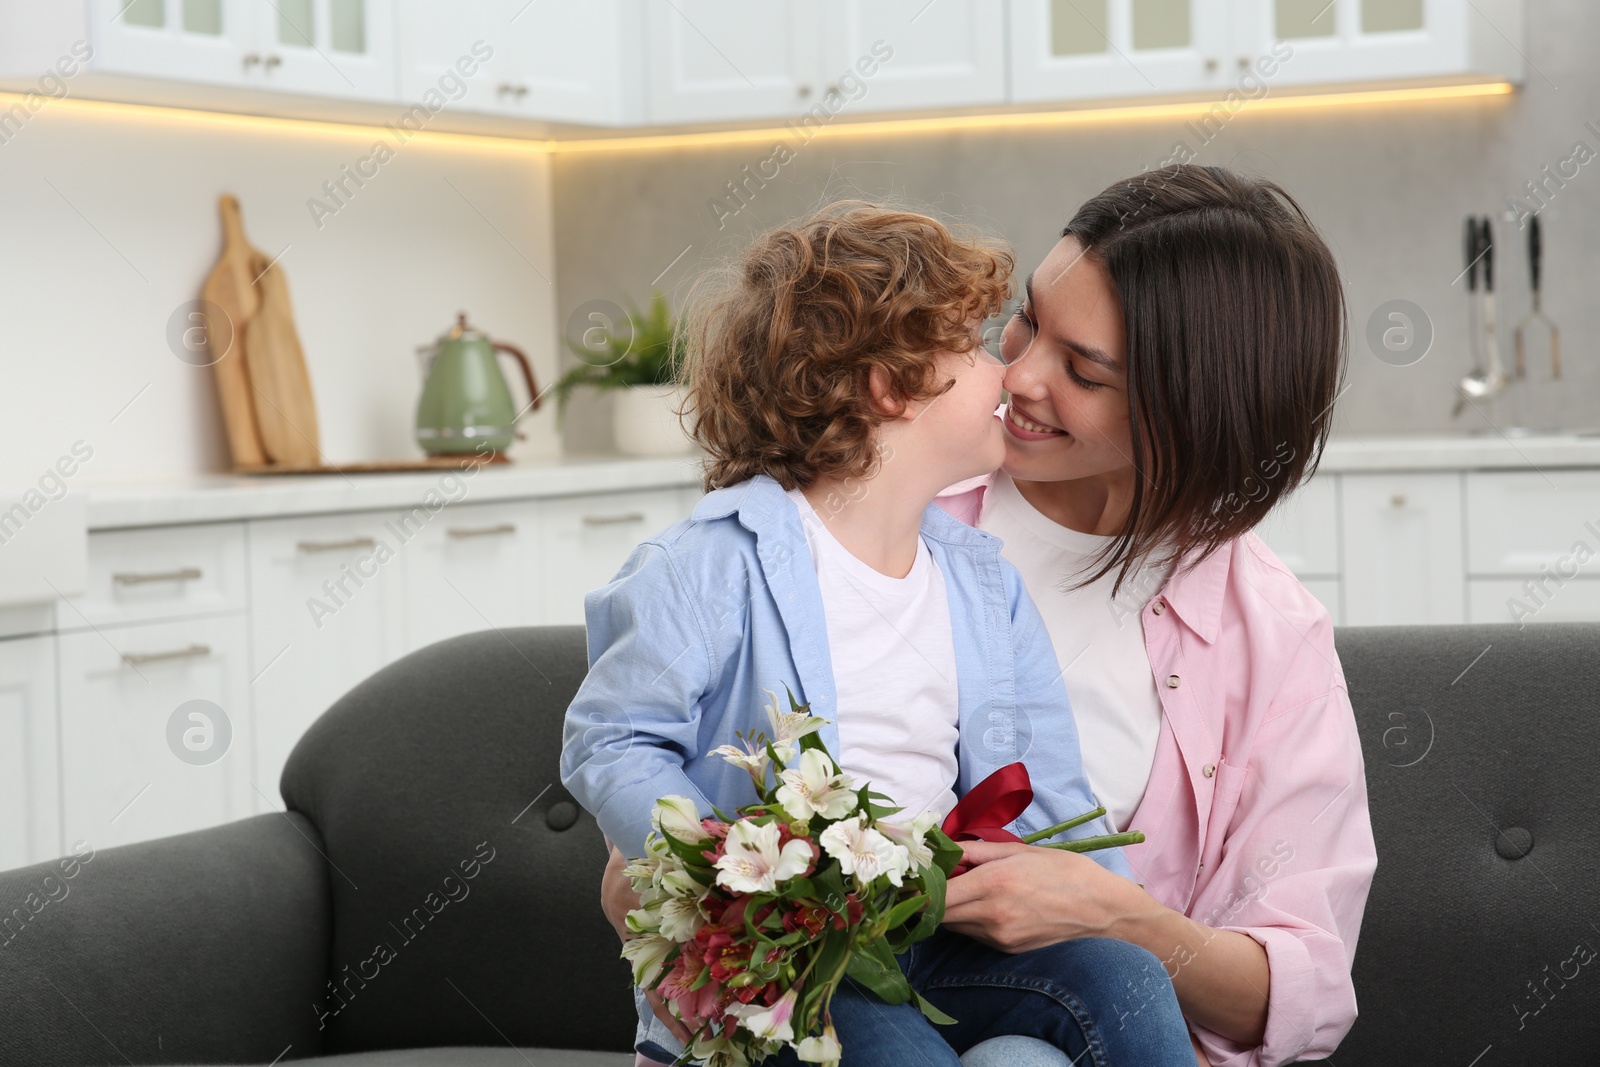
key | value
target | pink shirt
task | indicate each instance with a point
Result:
(1255, 815)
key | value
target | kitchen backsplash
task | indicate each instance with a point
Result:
(111, 226)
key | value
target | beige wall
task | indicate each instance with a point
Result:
(1387, 185)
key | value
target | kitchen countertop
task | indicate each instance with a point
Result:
(226, 497)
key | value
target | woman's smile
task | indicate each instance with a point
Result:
(1028, 429)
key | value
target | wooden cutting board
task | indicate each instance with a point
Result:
(229, 288)
(281, 386)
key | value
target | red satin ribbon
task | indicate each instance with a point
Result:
(983, 813)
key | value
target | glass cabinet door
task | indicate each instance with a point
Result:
(1319, 41)
(1098, 49)
(341, 48)
(187, 40)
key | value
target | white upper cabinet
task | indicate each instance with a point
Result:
(714, 60)
(331, 48)
(566, 62)
(891, 55)
(1096, 49)
(1382, 40)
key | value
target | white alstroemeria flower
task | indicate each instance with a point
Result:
(752, 862)
(680, 918)
(648, 955)
(864, 852)
(678, 817)
(769, 1023)
(815, 788)
(789, 726)
(824, 1049)
(680, 883)
(750, 758)
(913, 838)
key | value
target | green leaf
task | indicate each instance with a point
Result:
(904, 910)
(874, 966)
(934, 1014)
(933, 884)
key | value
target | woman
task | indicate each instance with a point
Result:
(1173, 368)
(1172, 373)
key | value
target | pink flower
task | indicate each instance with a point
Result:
(694, 1004)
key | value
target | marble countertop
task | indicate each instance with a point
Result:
(226, 497)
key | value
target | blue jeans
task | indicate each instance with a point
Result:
(1101, 1001)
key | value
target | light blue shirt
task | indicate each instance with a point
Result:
(708, 615)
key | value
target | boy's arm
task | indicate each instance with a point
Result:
(636, 717)
(1050, 745)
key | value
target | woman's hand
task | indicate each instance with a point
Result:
(617, 898)
(1019, 897)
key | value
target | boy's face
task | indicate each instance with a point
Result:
(957, 433)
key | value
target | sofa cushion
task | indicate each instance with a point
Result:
(464, 879)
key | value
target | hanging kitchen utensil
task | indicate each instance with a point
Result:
(1536, 313)
(228, 288)
(466, 405)
(285, 411)
(1489, 379)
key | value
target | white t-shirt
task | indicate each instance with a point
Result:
(1099, 643)
(894, 668)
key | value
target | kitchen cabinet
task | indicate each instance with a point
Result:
(1526, 524)
(1382, 40)
(947, 54)
(325, 612)
(30, 788)
(715, 60)
(587, 539)
(577, 63)
(1525, 601)
(159, 573)
(128, 772)
(1410, 566)
(475, 567)
(329, 48)
(1091, 49)
(1303, 532)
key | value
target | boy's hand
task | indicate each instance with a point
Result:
(617, 898)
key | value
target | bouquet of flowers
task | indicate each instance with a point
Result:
(747, 925)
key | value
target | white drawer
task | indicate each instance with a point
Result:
(20, 620)
(1518, 523)
(1303, 530)
(162, 572)
(586, 539)
(1513, 600)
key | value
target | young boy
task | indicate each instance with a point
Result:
(838, 384)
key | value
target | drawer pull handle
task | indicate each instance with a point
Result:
(335, 546)
(139, 659)
(1398, 500)
(483, 531)
(182, 574)
(613, 520)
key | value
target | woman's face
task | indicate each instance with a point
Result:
(1066, 355)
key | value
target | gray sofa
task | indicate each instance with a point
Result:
(429, 896)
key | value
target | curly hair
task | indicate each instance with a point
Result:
(780, 345)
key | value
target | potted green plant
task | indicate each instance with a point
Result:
(637, 356)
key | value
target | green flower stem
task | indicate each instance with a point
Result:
(1033, 839)
(1090, 844)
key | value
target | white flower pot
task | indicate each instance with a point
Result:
(645, 421)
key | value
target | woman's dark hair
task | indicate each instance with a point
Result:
(1236, 339)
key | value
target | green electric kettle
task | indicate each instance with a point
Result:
(466, 405)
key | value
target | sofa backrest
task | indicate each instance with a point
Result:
(1481, 929)
(464, 878)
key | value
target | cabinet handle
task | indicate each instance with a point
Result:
(483, 531)
(1244, 62)
(802, 91)
(1211, 64)
(1398, 500)
(139, 659)
(272, 61)
(250, 59)
(335, 546)
(613, 520)
(182, 574)
(504, 88)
